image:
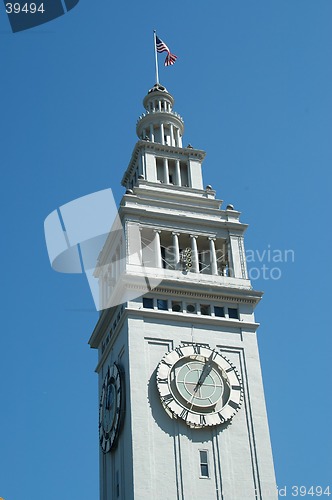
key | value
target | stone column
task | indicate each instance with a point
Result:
(134, 244)
(194, 253)
(162, 133)
(109, 285)
(213, 257)
(176, 250)
(117, 263)
(140, 165)
(143, 163)
(166, 173)
(178, 138)
(177, 173)
(112, 271)
(237, 262)
(151, 133)
(171, 131)
(243, 261)
(157, 249)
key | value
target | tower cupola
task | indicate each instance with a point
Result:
(160, 123)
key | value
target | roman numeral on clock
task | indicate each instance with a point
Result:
(197, 348)
(233, 404)
(167, 364)
(215, 354)
(222, 420)
(167, 399)
(202, 420)
(184, 414)
(162, 380)
(179, 352)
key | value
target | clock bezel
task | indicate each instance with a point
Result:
(108, 438)
(220, 412)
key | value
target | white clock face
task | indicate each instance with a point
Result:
(110, 409)
(199, 385)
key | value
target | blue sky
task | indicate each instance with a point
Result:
(253, 83)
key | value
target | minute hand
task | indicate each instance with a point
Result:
(206, 370)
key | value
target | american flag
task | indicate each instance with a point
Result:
(162, 47)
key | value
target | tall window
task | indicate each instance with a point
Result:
(204, 464)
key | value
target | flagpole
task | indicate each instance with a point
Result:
(155, 56)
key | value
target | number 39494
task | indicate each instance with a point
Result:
(27, 8)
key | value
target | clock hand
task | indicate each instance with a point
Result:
(206, 370)
(193, 395)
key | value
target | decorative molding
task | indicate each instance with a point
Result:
(186, 293)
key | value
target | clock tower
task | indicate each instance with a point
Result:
(181, 403)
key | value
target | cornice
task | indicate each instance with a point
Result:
(141, 212)
(224, 297)
(166, 148)
(216, 293)
(183, 290)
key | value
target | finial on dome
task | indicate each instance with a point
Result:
(158, 87)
